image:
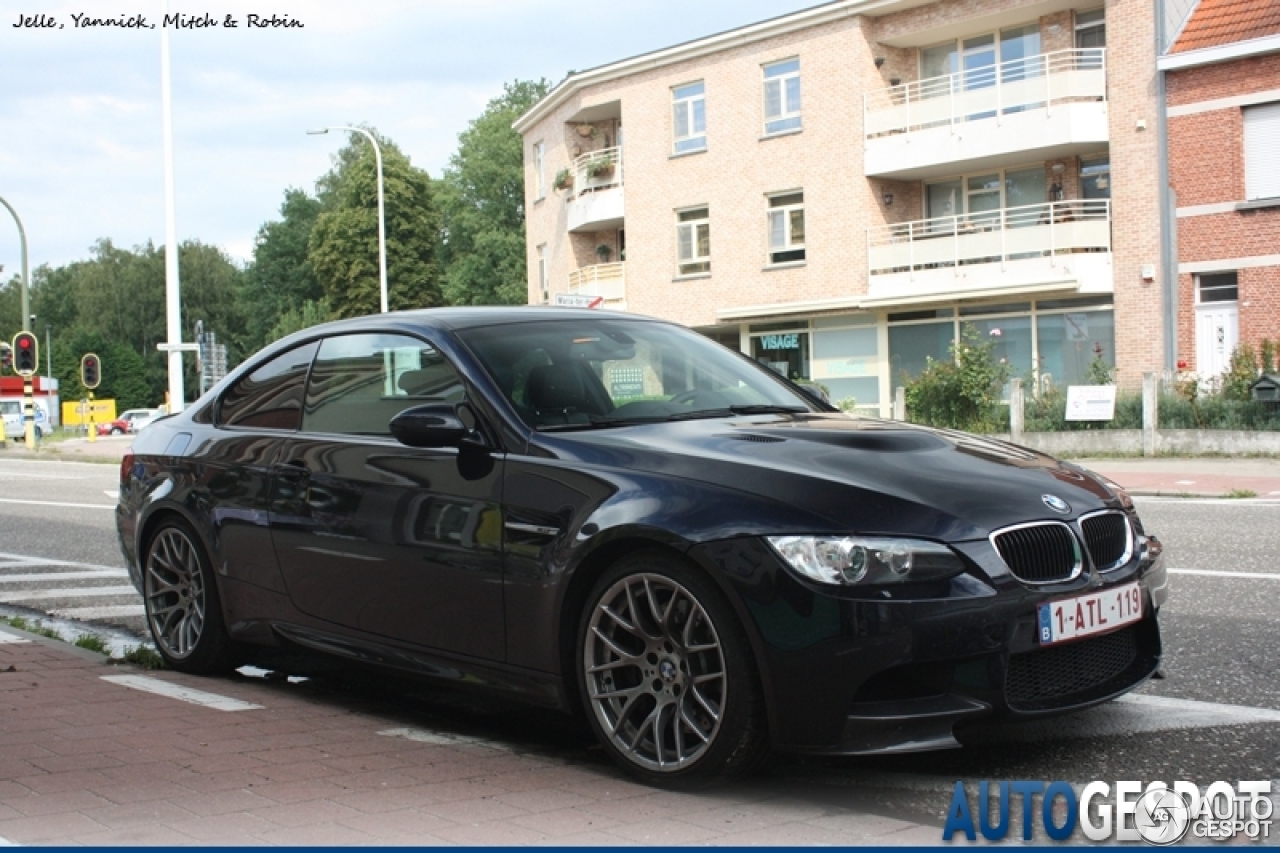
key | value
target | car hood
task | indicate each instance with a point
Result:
(854, 474)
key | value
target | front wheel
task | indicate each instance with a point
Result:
(666, 674)
(184, 612)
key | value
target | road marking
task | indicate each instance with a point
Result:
(88, 614)
(5, 475)
(1173, 499)
(111, 493)
(79, 592)
(48, 561)
(6, 637)
(176, 691)
(64, 576)
(1213, 573)
(57, 504)
(439, 739)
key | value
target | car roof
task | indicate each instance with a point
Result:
(466, 317)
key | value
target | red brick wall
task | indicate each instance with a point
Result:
(1225, 80)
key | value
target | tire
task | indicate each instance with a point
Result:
(183, 608)
(117, 431)
(666, 675)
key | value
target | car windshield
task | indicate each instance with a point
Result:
(588, 373)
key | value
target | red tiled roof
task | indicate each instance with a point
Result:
(1217, 22)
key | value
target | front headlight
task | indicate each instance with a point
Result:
(849, 560)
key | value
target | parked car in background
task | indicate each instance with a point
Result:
(131, 420)
(615, 515)
(14, 428)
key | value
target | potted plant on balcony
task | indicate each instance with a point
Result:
(599, 167)
(564, 180)
(604, 251)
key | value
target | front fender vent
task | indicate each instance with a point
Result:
(747, 436)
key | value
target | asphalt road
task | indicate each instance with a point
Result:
(1216, 714)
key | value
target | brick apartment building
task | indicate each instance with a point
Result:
(839, 190)
(1223, 93)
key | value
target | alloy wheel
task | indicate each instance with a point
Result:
(655, 672)
(175, 594)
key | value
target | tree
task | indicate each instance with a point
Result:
(303, 317)
(280, 278)
(481, 198)
(343, 248)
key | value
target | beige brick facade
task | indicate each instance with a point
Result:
(838, 47)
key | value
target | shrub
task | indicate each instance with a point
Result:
(964, 392)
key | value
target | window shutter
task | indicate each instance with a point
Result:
(1262, 151)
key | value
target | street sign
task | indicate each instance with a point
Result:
(578, 300)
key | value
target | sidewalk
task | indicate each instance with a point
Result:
(90, 761)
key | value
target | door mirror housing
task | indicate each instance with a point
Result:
(430, 425)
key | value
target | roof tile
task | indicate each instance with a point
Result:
(1218, 22)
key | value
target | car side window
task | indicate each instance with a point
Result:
(360, 382)
(270, 397)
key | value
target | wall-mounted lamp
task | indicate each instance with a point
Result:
(1057, 168)
(879, 61)
(888, 198)
(894, 81)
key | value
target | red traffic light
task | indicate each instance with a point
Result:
(90, 370)
(24, 354)
(24, 342)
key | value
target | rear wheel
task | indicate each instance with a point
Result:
(184, 611)
(666, 675)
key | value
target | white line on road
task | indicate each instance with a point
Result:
(78, 592)
(49, 561)
(87, 614)
(440, 739)
(56, 503)
(1214, 573)
(64, 576)
(1172, 499)
(177, 691)
(5, 475)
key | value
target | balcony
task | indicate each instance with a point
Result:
(1049, 105)
(604, 281)
(597, 185)
(1064, 245)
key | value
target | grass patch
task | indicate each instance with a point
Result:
(32, 628)
(143, 657)
(1241, 493)
(92, 643)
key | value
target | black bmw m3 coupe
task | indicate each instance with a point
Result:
(620, 517)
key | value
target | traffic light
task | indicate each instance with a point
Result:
(6, 358)
(26, 361)
(90, 371)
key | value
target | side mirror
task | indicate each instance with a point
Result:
(430, 425)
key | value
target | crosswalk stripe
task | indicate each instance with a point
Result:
(78, 592)
(88, 613)
(64, 576)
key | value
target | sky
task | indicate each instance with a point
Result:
(81, 143)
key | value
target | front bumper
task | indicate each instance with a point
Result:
(901, 670)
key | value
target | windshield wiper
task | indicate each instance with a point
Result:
(730, 411)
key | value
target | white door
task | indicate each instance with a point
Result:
(1217, 332)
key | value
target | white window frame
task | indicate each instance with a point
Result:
(687, 103)
(778, 76)
(544, 281)
(1221, 285)
(1261, 142)
(689, 261)
(540, 169)
(780, 222)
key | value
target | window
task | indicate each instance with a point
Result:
(1095, 177)
(689, 117)
(539, 170)
(360, 382)
(1261, 142)
(693, 241)
(1091, 29)
(271, 396)
(782, 96)
(544, 285)
(786, 228)
(1217, 287)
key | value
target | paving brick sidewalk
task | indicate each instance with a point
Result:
(1205, 476)
(88, 761)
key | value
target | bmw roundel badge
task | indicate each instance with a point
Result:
(1056, 503)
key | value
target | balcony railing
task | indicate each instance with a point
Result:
(992, 236)
(597, 170)
(1033, 82)
(608, 281)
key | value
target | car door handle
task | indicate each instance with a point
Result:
(294, 469)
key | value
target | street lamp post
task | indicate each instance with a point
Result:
(382, 219)
(26, 272)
